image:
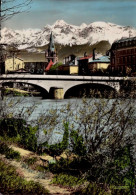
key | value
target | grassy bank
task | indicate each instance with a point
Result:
(12, 183)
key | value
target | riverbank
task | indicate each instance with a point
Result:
(19, 92)
(97, 160)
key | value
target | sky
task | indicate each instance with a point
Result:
(43, 12)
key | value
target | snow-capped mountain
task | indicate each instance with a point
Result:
(67, 34)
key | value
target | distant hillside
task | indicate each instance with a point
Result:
(64, 51)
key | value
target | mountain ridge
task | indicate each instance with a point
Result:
(67, 34)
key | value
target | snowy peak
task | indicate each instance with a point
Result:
(60, 23)
(67, 34)
(83, 25)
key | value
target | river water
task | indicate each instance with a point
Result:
(35, 110)
(49, 114)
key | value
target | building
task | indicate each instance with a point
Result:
(99, 65)
(35, 67)
(71, 62)
(123, 56)
(51, 53)
(83, 64)
(13, 64)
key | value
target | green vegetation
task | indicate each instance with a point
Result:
(31, 161)
(78, 146)
(55, 66)
(101, 189)
(18, 128)
(12, 183)
(67, 180)
(57, 149)
(9, 152)
(99, 150)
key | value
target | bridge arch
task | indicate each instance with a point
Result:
(14, 84)
(90, 90)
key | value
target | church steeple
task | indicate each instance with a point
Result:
(51, 53)
(51, 47)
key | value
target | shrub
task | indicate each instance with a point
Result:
(9, 152)
(31, 161)
(101, 189)
(58, 148)
(18, 128)
(10, 126)
(78, 146)
(75, 166)
(67, 180)
(54, 67)
(3, 148)
(28, 138)
(94, 189)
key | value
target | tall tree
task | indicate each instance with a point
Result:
(9, 8)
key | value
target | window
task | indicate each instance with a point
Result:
(133, 60)
(129, 58)
(113, 60)
(123, 60)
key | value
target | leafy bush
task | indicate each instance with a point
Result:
(41, 168)
(3, 148)
(121, 171)
(11, 126)
(100, 189)
(71, 166)
(58, 148)
(28, 138)
(67, 180)
(94, 189)
(9, 152)
(60, 166)
(78, 146)
(12, 183)
(14, 127)
(54, 67)
(31, 161)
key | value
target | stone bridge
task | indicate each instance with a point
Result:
(60, 84)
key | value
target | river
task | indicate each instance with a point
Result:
(49, 114)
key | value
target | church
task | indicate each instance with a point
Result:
(51, 54)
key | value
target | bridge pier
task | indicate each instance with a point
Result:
(56, 93)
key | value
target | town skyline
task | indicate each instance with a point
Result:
(74, 12)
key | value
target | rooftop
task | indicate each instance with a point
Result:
(102, 59)
(125, 39)
(124, 42)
